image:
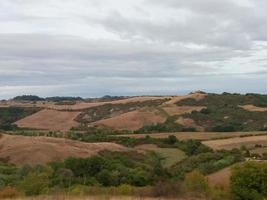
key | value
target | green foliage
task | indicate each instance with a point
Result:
(207, 163)
(168, 126)
(224, 114)
(249, 181)
(34, 183)
(28, 98)
(10, 115)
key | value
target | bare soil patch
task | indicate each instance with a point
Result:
(253, 108)
(231, 143)
(50, 120)
(132, 120)
(40, 150)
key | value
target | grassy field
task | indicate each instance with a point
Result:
(170, 155)
(199, 135)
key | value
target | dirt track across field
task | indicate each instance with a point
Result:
(41, 150)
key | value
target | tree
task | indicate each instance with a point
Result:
(172, 139)
(249, 181)
(35, 184)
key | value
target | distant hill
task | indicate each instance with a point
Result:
(197, 111)
(28, 98)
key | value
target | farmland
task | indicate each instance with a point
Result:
(231, 143)
(134, 146)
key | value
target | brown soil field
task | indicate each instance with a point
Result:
(50, 120)
(132, 120)
(220, 178)
(253, 108)
(198, 135)
(231, 143)
(40, 150)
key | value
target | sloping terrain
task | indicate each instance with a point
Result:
(220, 178)
(132, 120)
(229, 112)
(49, 120)
(40, 150)
(232, 143)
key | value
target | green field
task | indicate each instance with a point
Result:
(170, 155)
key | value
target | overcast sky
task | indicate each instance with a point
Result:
(132, 47)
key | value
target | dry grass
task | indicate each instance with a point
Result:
(220, 178)
(40, 150)
(50, 120)
(132, 120)
(198, 135)
(253, 108)
(231, 143)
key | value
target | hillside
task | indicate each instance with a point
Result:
(155, 146)
(21, 150)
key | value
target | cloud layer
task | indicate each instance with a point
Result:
(125, 47)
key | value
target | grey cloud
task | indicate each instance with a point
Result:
(217, 44)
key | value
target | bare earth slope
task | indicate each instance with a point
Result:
(50, 120)
(132, 120)
(40, 150)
